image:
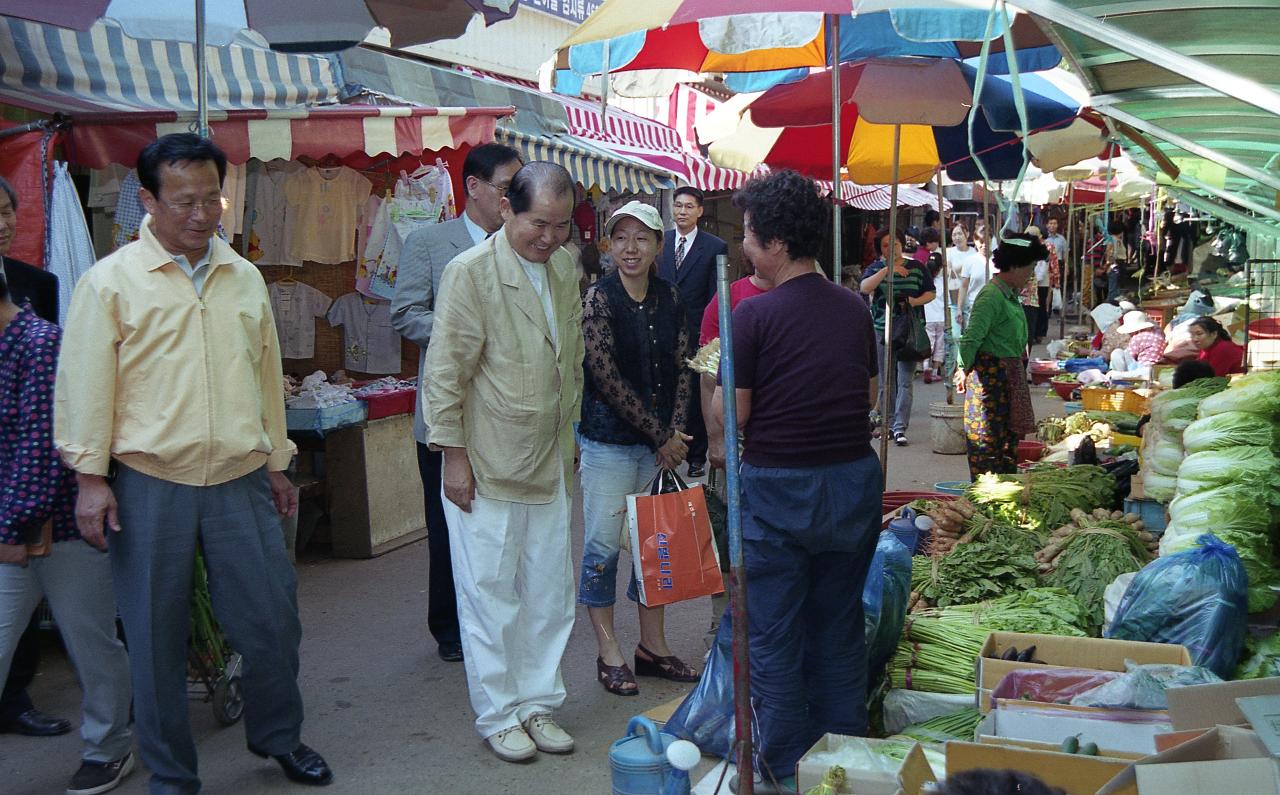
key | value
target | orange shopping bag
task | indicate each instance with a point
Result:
(672, 546)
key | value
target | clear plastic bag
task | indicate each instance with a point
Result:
(1143, 686)
(1196, 598)
(1052, 686)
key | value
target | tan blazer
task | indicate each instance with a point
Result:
(496, 383)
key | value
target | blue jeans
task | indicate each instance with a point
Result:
(609, 473)
(808, 536)
(899, 408)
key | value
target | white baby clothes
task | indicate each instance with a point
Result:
(369, 343)
(296, 307)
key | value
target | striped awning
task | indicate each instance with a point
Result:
(97, 139)
(879, 197)
(51, 69)
(540, 128)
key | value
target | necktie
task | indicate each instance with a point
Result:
(680, 252)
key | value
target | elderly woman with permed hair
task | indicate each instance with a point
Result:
(805, 370)
(997, 408)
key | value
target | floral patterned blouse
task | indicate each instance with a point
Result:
(637, 387)
(34, 485)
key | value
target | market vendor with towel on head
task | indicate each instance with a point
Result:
(997, 408)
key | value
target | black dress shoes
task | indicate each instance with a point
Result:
(450, 651)
(697, 470)
(34, 723)
(302, 765)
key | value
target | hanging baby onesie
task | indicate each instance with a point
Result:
(421, 199)
(271, 223)
(372, 212)
(327, 203)
(295, 307)
(369, 343)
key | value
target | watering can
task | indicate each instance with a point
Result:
(649, 762)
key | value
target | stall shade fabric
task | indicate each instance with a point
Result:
(46, 68)
(589, 166)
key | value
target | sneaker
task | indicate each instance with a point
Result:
(547, 734)
(900, 439)
(95, 777)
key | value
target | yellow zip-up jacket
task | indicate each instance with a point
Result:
(182, 387)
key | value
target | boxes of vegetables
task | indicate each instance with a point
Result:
(1000, 655)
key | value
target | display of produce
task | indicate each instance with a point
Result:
(956, 726)
(1086, 556)
(1258, 392)
(1044, 611)
(1231, 429)
(937, 656)
(1172, 411)
(950, 520)
(974, 572)
(1261, 659)
(1043, 497)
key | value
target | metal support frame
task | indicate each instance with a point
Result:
(1234, 198)
(733, 526)
(889, 364)
(1226, 161)
(946, 283)
(1224, 212)
(837, 190)
(1220, 80)
(202, 74)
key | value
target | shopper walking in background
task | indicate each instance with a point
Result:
(486, 176)
(1031, 291)
(912, 289)
(997, 406)
(689, 262)
(811, 485)
(970, 267)
(504, 386)
(170, 380)
(38, 503)
(634, 409)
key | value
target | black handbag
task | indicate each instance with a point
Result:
(910, 340)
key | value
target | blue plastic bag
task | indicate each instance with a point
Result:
(705, 717)
(884, 601)
(1197, 598)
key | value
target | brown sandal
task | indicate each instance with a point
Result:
(614, 677)
(671, 668)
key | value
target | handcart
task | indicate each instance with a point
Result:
(213, 669)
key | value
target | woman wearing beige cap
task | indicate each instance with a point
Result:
(634, 400)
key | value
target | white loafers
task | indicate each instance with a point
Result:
(547, 736)
(513, 745)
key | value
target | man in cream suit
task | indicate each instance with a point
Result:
(504, 387)
(486, 175)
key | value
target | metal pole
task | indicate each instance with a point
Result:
(837, 159)
(986, 221)
(202, 75)
(1067, 269)
(733, 523)
(889, 364)
(946, 286)
(604, 88)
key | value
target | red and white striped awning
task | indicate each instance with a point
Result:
(878, 197)
(345, 131)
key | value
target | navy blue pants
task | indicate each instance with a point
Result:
(808, 537)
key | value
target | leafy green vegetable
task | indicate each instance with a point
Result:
(1231, 429)
(936, 656)
(1091, 559)
(1164, 457)
(1236, 506)
(1262, 659)
(1258, 392)
(1044, 611)
(1043, 497)
(974, 572)
(1174, 409)
(1159, 486)
(956, 726)
(1256, 466)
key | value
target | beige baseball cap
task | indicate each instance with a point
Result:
(646, 214)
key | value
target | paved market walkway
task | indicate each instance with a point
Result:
(389, 716)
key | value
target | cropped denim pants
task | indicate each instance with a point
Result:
(609, 472)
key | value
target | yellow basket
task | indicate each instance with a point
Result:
(1124, 438)
(1101, 398)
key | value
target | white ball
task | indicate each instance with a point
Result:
(683, 755)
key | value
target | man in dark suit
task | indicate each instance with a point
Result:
(486, 176)
(689, 262)
(27, 285)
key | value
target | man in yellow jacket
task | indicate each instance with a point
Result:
(169, 407)
(504, 387)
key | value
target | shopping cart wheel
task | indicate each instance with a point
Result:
(228, 697)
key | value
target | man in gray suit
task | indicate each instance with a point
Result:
(486, 176)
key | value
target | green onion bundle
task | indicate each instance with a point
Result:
(1042, 611)
(937, 656)
(956, 726)
(1043, 497)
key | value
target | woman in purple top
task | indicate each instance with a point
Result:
(37, 492)
(805, 364)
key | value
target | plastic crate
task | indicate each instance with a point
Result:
(1101, 398)
(389, 404)
(1152, 514)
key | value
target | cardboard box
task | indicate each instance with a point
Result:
(909, 777)
(1096, 654)
(1077, 775)
(1206, 706)
(1032, 745)
(1226, 759)
(1131, 732)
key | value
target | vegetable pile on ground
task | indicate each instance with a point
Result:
(1084, 557)
(1171, 412)
(950, 522)
(1001, 563)
(956, 726)
(1229, 482)
(1043, 497)
(937, 656)
(1041, 611)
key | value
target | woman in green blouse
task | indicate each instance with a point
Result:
(997, 409)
